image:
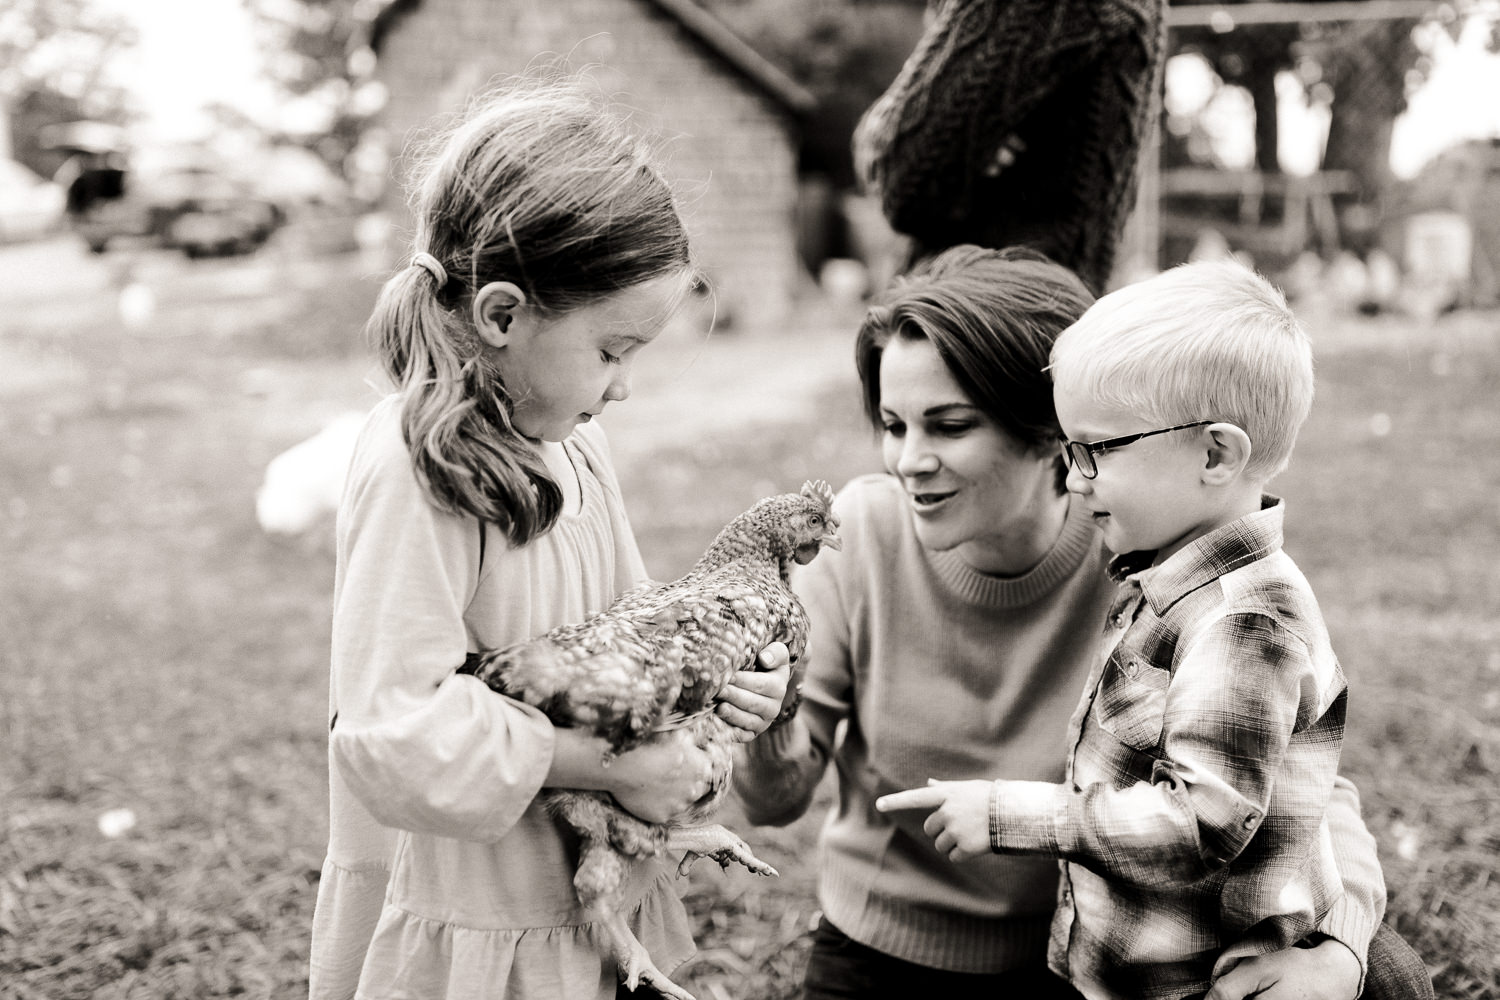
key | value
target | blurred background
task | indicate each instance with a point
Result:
(199, 200)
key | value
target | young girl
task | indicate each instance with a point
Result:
(481, 509)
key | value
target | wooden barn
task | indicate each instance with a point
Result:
(725, 119)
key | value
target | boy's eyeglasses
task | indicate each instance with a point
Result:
(1081, 453)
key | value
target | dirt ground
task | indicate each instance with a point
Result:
(159, 653)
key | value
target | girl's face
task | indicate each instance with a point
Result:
(971, 486)
(562, 371)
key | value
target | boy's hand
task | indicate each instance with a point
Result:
(1328, 971)
(960, 822)
(753, 698)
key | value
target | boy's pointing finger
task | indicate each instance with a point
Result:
(913, 798)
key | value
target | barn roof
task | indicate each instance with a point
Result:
(701, 25)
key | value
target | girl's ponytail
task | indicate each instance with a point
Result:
(540, 185)
(456, 419)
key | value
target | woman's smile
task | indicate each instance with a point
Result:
(928, 503)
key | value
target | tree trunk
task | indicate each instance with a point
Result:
(1260, 79)
(1359, 141)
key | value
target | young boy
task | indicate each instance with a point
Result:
(1204, 749)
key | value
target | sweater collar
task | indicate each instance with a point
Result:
(1078, 538)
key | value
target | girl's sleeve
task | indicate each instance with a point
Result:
(1354, 917)
(779, 771)
(419, 746)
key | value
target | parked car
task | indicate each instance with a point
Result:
(193, 209)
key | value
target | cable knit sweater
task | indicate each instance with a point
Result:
(943, 672)
(1019, 122)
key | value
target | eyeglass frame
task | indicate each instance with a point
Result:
(1087, 465)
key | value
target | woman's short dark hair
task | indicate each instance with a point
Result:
(992, 316)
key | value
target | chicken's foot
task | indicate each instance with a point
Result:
(717, 842)
(632, 959)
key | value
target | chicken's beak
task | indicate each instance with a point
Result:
(807, 551)
(831, 534)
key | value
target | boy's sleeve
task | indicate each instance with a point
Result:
(1356, 915)
(418, 746)
(779, 771)
(1231, 708)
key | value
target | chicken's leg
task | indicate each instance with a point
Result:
(599, 882)
(717, 842)
(634, 962)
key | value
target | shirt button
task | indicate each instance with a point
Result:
(1250, 821)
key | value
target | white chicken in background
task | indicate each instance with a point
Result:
(304, 483)
(136, 305)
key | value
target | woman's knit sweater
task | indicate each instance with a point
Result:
(942, 672)
(1019, 122)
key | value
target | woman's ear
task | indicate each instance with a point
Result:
(1229, 450)
(495, 306)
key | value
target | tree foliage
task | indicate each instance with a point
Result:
(316, 50)
(845, 52)
(1360, 69)
(61, 45)
(55, 57)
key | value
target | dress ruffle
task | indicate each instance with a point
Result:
(414, 957)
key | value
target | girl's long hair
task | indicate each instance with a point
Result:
(542, 185)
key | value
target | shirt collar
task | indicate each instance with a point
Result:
(1205, 559)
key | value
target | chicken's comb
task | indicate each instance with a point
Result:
(817, 489)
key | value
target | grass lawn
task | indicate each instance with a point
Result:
(160, 654)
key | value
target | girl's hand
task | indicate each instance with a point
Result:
(753, 698)
(660, 778)
(960, 822)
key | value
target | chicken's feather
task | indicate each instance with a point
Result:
(668, 650)
(660, 657)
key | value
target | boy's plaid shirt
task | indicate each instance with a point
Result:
(1201, 759)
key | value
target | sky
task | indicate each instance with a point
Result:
(1458, 100)
(190, 53)
(194, 52)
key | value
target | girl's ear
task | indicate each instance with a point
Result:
(1229, 450)
(495, 305)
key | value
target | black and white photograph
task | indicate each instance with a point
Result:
(749, 499)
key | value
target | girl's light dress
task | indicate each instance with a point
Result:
(444, 879)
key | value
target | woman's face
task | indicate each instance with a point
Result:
(970, 485)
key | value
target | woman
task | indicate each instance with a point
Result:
(953, 635)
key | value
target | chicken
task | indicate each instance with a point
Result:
(657, 659)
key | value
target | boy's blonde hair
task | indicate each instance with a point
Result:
(1211, 340)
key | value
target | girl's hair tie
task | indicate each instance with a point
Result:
(432, 266)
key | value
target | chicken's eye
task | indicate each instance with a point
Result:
(815, 520)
